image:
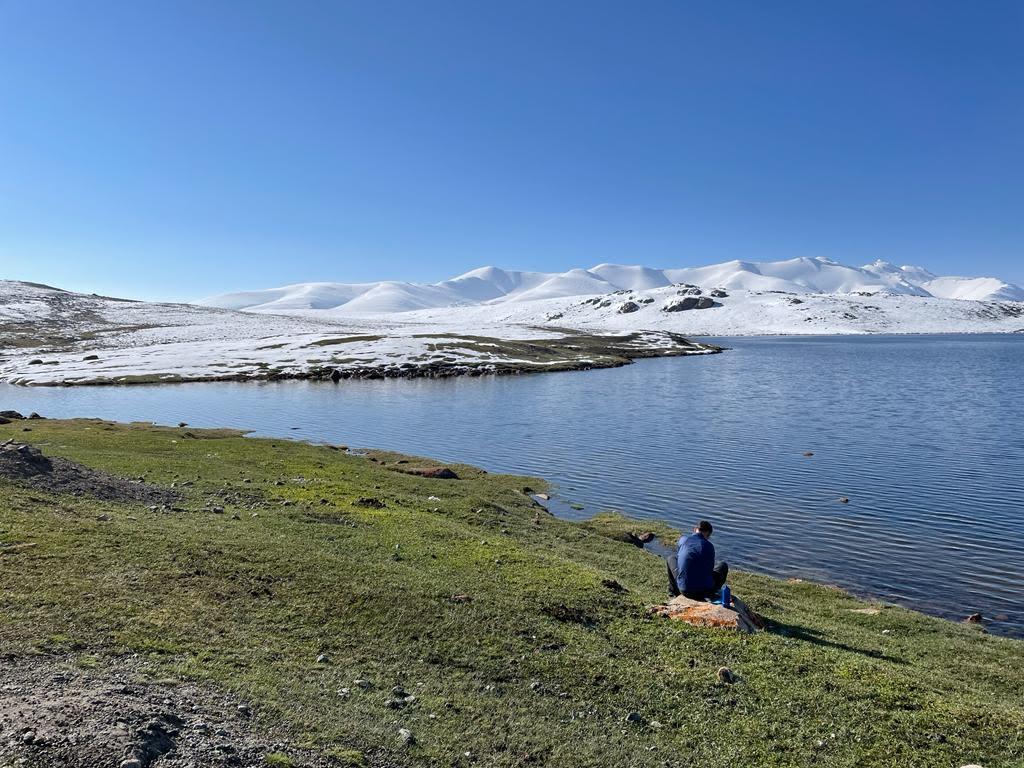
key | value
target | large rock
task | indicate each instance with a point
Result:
(700, 613)
(681, 305)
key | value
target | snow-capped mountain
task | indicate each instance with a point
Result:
(493, 286)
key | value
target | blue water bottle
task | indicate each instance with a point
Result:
(726, 596)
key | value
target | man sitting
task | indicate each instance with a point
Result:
(692, 571)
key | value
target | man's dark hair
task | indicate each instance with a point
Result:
(705, 527)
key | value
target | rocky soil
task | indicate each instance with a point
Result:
(29, 467)
(53, 713)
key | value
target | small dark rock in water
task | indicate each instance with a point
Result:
(808, 453)
(335, 375)
(975, 618)
(726, 675)
(844, 500)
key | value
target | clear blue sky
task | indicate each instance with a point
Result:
(178, 149)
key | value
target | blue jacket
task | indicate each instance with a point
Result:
(695, 561)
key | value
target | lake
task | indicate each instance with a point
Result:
(923, 435)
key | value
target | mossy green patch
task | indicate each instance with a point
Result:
(495, 616)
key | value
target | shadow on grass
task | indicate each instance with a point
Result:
(814, 636)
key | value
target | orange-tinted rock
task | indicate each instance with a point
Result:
(703, 614)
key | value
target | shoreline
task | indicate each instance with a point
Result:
(375, 609)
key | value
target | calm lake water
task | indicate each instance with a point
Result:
(923, 435)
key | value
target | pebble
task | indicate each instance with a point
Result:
(634, 717)
(364, 684)
(131, 762)
(323, 658)
(406, 736)
(726, 675)
(28, 737)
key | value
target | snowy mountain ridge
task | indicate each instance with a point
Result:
(488, 286)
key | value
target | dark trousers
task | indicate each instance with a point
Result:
(718, 577)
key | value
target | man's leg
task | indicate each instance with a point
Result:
(673, 583)
(720, 574)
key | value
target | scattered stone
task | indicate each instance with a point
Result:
(613, 585)
(369, 503)
(808, 454)
(975, 618)
(627, 307)
(364, 684)
(461, 598)
(323, 658)
(436, 473)
(844, 500)
(726, 675)
(635, 717)
(406, 736)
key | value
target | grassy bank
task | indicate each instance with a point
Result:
(507, 625)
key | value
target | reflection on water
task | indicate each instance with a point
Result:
(924, 436)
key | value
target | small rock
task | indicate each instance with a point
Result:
(364, 684)
(726, 675)
(323, 658)
(243, 710)
(975, 618)
(634, 717)
(406, 736)
(131, 762)
(808, 454)
(844, 500)
(28, 737)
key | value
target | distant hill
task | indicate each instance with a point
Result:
(494, 286)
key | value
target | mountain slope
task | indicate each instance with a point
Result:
(494, 286)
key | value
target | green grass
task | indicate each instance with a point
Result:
(538, 665)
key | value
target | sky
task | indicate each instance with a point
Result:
(174, 150)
